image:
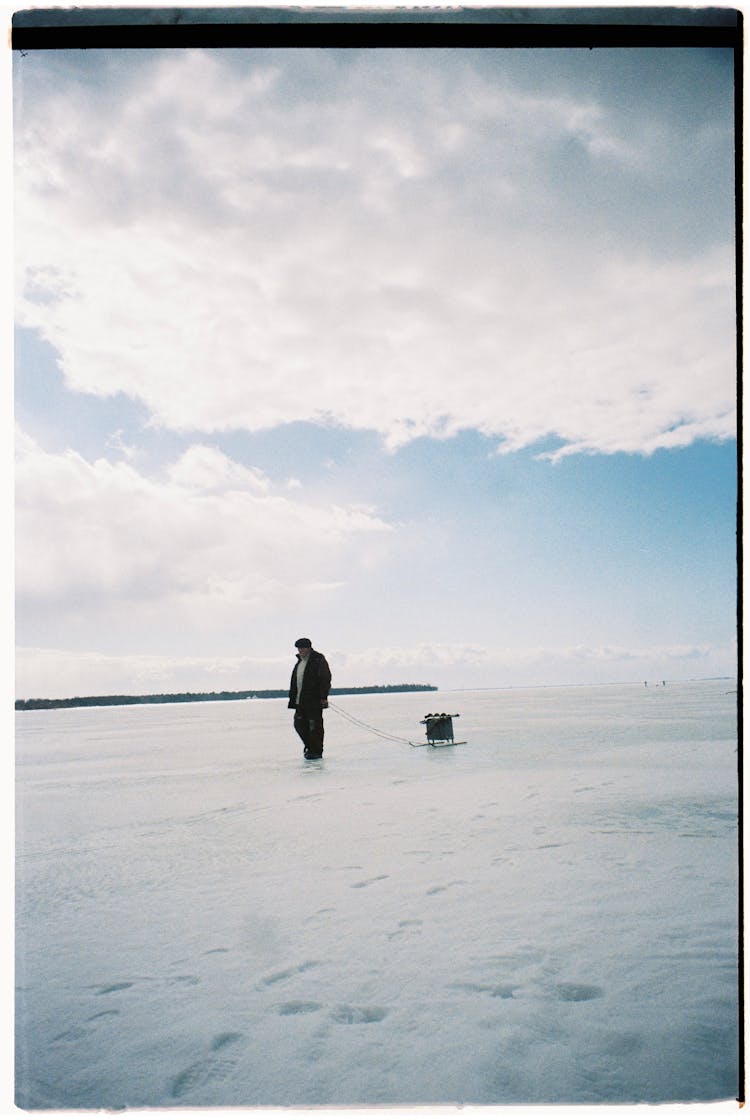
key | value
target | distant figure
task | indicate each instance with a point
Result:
(308, 695)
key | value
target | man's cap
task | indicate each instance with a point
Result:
(303, 642)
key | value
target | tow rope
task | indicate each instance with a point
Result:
(367, 726)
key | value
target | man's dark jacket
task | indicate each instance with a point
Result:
(315, 684)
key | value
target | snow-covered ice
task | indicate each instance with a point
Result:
(546, 914)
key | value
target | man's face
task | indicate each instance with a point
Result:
(303, 651)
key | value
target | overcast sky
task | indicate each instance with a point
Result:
(425, 354)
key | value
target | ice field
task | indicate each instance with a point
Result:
(547, 914)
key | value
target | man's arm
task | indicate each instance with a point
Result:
(325, 681)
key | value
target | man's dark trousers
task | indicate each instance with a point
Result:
(309, 727)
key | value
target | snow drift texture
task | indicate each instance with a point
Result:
(547, 914)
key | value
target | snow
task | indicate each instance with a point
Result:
(547, 914)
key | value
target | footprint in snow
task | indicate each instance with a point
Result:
(368, 882)
(578, 993)
(409, 925)
(108, 989)
(284, 974)
(212, 814)
(76, 1033)
(440, 889)
(298, 1007)
(124, 985)
(347, 1014)
(497, 991)
(216, 1065)
(73, 1034)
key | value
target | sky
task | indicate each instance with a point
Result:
(427, 355)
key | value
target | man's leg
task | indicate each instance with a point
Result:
(311, 734)
(302, 727)
(310, 730)
(315, 736)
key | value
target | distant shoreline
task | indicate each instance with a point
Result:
(200, 697)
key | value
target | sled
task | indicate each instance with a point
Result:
(439, 730)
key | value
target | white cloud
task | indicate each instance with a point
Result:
(206, 468)
(458, 654)
(213, 536)
(49, 672)
(237, 254)
(473, 665)
(62, 673)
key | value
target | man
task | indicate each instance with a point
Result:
(308, 695)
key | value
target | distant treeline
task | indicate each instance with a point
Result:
(193, 697)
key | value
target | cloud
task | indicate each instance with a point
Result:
(211, 536)
(462, 654)
(206, 469)
(46, 672)
(51, 672)
(473, 665)
(410, 246)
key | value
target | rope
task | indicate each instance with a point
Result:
(367, 726)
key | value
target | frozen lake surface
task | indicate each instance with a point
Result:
(547, 914)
